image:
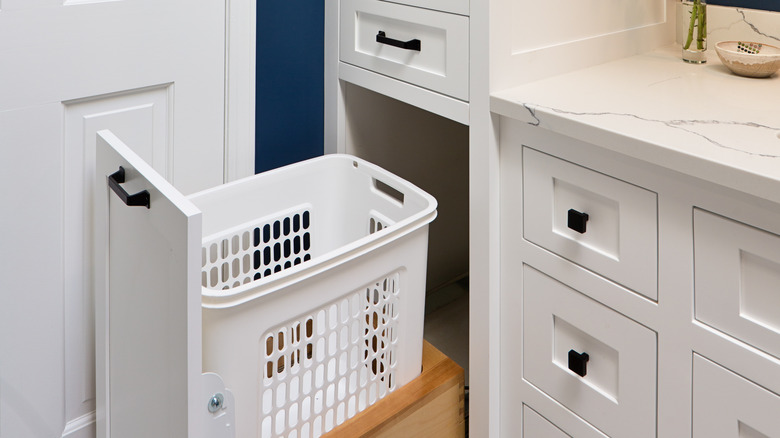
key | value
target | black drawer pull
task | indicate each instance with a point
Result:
(577, 221)
(408, 45)
(578, 363)
(137, 199)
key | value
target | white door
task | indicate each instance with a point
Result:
(153, 72)
(147, 300)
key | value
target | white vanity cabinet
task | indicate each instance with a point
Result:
(675, 297)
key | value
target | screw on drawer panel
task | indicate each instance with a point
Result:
(216, 402)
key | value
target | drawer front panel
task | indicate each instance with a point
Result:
(536, 426)
(726, 405)
(616, 394)
(619, 237)
(440, 64)
(453, 6)
(737, 280)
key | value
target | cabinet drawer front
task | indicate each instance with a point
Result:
(536, 426)
(440, 64)
(737, 280)
(454, 6)
(617, 392)
(620, 233)
(726, 405)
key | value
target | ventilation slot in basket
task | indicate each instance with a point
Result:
(257, 251)
(324, 368)
(377, 222)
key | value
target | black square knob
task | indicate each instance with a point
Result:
(577, 221)
(578, 363)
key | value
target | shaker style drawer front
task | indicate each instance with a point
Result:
(604, 224)
(591, 359)
(536, 426)
(460, 7)
(423, 47)
(737, 280)
(726, 405)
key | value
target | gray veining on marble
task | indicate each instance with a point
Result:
(686, 125)
(697, 119)
(734, 24)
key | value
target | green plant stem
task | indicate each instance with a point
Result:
(694, 16)
(702, 27)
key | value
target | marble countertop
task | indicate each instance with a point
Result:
(700, 120)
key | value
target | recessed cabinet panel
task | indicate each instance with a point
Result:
(423, 47)
(726, 405)
(599, 222)
(536, 426)
(591, 359)
(737, 280)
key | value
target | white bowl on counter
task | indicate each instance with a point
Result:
(755, 60)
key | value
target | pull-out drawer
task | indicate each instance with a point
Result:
(536, 426)
(726, 405)
(299, 292)
(454, 6)
(423, 47)
(599, 222)
(596, 362)
(737, 280)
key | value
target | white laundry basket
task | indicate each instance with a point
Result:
(314, 291)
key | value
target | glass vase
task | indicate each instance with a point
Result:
(694, 31)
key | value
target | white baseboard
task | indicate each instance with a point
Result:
(81, 427)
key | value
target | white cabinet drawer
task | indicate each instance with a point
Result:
(454, 6)
(536, 426)
(617, 392)
(737, 280)
(618, 237)
(726, 405)
(440, 63)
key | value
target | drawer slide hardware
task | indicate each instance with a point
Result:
(578, 363)
(137, 199)
(414, 44)
(577, 221)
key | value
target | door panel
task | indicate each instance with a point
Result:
(31, 361)
(141, 119)
(67, 68)
(147, 300)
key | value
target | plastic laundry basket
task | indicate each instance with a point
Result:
(314, 291)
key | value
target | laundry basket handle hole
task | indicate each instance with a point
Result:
(388, 191)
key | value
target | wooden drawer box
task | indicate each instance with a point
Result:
(372, 31)
(737, 273)
(614, 386)
(616, 237)
(432, 405)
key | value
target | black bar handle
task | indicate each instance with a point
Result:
(414, 44)
(578, 363)
(577, 221)
(137, 199)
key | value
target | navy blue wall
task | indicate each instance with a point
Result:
(290, 99)
(769, 5)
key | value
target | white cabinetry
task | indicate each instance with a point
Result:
(674, 297)
(727, 405)
(425, 48)
(415, 51)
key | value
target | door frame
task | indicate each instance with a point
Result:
(240, 54)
